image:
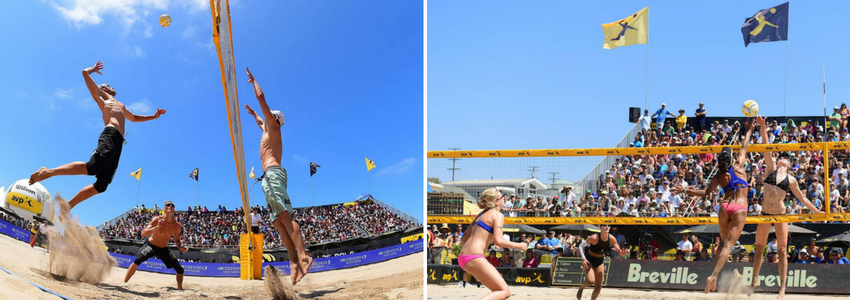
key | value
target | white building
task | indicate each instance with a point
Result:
(519, 187)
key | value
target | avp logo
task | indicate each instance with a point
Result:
(448, 277)
(527, 280)
(21, 200)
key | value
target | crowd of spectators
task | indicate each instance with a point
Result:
(638, 185)
(204, 228)
(25, 224)
(444, 245)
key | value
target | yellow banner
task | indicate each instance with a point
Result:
(411, 238)
(632, 151)
(24, 202)
(641, 220)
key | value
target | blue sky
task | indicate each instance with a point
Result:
(347, 75)
(520, 75)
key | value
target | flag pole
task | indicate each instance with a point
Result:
(138, 190)
(825, 120)
(197, 190)
(785, 103)
(646, 86)
(370, 183)
(311, 190)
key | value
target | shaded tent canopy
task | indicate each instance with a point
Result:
(836, 240)
(794, 230)
(711, 229)
(576, 229)
(520, 228)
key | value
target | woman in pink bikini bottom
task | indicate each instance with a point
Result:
(733, 209)
(486, 229)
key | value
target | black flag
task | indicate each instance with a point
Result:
(194, 174)
(313, 167)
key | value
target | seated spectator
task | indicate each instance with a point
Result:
(803, 257)
(835, 257)
(680, 256)
(492, 259)
(703, 256)
(507, 260)
(530, 260)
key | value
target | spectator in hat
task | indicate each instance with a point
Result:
(803, 257)
(834, 120)
(737, 252)
(681, 119)
(660, 115)
(700, 114)
(444, 239)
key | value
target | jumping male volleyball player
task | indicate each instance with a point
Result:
(104, 160)
(274, 185)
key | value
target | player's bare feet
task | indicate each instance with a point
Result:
(711, 284)
(578, 294)
(39, 175)
(305, 267)
(781, 295)
(753, 287)
(294, 271)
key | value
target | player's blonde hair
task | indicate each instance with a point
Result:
(488, 198)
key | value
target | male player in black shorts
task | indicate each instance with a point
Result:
(160, 230)
(104, 159)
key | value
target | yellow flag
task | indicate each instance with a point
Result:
(137, 174)
(369, 164)
(251, 175)
(634, 29)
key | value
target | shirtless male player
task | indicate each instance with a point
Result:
(104, 159)
(160, 230)
(274, 185)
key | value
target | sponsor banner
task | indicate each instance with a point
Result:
(232, 269)
(14, 231)
(691, 275)
(356, 259)
(630, 151)
(641, 220)
(438, 274)
(411, 238)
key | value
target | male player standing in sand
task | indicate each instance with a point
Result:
(104, 159)
(274, 185)
(160, 230)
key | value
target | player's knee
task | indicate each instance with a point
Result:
(100, 186)
(178, 270)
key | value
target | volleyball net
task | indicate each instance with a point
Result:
(630, 185)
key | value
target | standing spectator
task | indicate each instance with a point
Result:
(621, 239)
(660, 116)
(834, 120)
(685, 245)
(700, 114)
(645, 122)
(681, 119)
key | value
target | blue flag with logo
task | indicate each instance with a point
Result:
(768, 25)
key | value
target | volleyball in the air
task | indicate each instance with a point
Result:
(750, 108)
(164, 20)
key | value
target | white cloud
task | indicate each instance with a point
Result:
(141, 107)
(148, 31)
(401, 167)
(189, 32)
(92, 12)
(300, 159)
(60, 93)
(88, 103)
(138, 51)
(82, 13)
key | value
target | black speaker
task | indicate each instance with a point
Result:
(634, 114)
